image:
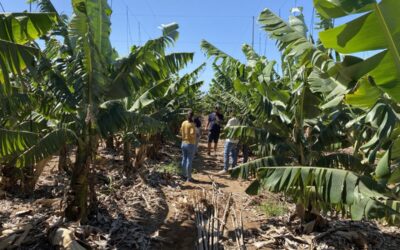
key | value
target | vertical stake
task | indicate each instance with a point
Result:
(127, 28)
(140, 35)
(252, 36)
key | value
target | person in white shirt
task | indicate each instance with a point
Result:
(230, 147)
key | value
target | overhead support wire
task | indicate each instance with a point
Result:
(280, 8)
(265, 46)
(312, 23)
(152, 12)
(132, 13)
(1, 5)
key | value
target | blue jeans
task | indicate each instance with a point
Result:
(187, 159)
(230, 149)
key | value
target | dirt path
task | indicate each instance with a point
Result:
(179, 228)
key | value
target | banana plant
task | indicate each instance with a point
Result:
(101, 85)
(376, 90)
(78, 83)
(281, 106)
(354, 188)
(17, 53)
(375, 29)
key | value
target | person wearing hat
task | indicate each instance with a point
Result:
(215, 120)
(231, 145)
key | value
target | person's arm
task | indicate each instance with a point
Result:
(235, 122)
(208, 122)
(228, 124)
(180, 132)
(192, 130)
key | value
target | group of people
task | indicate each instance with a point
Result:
(191, 134)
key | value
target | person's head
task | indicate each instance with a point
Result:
(197, 121)
(217, 108)
(232, 113)
(190, 116)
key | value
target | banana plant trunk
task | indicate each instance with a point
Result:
(153, 151)
(22, 181)
(77, 200)
(140, 156)
(30, 179)
(127, 157)
(9, 178)
(110, 142)
(63, 159)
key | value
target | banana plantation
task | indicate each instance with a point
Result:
(90, 139)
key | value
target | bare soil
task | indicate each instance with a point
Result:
(180, 228)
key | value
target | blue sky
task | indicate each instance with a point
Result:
(225, 23)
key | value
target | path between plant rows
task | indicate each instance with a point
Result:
(178, 228)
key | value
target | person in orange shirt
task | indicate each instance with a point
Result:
(188, 133)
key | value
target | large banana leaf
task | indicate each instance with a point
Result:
(211, 50)
(16, 30)
(47, 146)
(89, 30)
(22, 28)
(174, 62)
(150, 95)
(383, 119)
(366, 94)
(246, 170)
(383, 171)
(15, 141)
(96, 15)
(114, 117)
(375, 30)
(295, 46)
(14, 59)
(260, 135)
(343, 161)
(179, 87)
(297, 22)
(147, 64)
(361, 196)
(339, 8)
(396, 148)
(24, 148)
(322, 82)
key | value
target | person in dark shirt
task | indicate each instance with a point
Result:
(197, 121)
(215, 120)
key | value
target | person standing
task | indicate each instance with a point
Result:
(188, 132)
(231, 146)
(214, 123)
(197, 121)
